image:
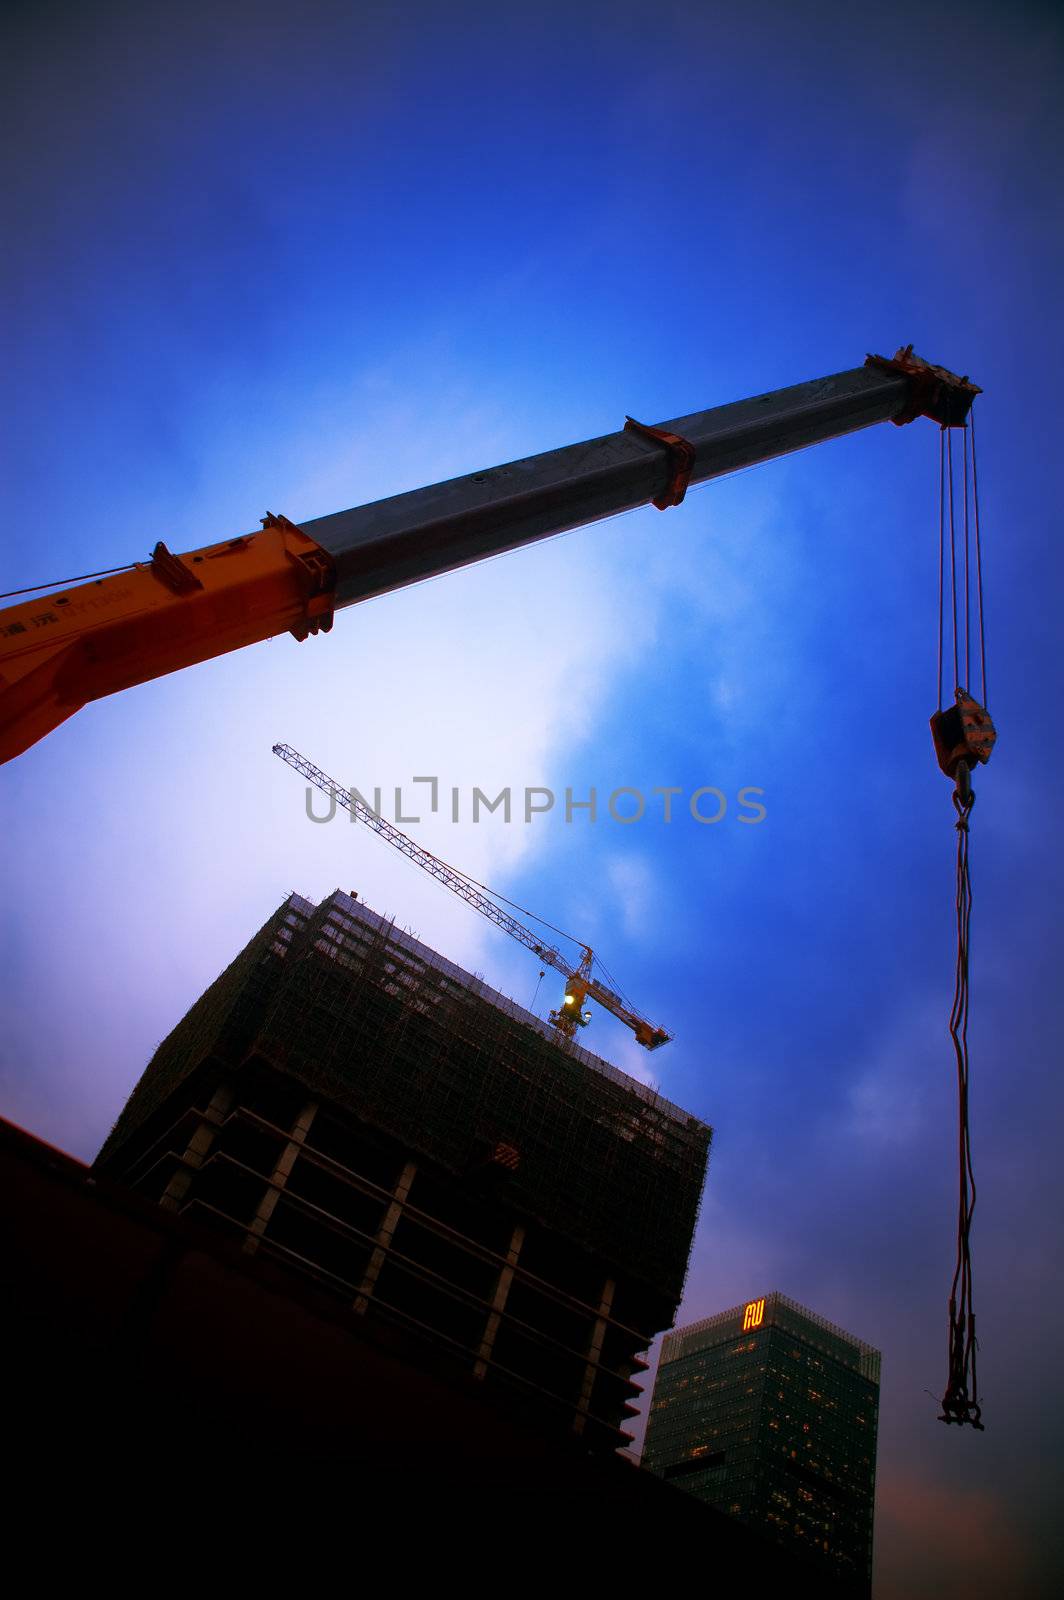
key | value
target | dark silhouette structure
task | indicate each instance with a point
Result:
(354, 1106)
(363, 1273)
(172, 1398)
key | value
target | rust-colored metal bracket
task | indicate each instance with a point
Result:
(172, 571)
(934, 392)
(317, 576)
(682, 455)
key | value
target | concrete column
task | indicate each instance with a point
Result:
(198, 1146)
(594, 1354)
(279, 1176)
(383, 1242)
(498, 1304)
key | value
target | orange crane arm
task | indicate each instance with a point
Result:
(75, 645)
(60, 651)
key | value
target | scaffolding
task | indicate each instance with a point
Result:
(352, 1104)
(369, 1018)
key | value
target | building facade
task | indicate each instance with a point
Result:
(348, 1102)
(770, 1413)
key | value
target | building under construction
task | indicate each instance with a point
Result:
(355, 1106)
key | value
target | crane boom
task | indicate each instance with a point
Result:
(79, 644)
(579, 981)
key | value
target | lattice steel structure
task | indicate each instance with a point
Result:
(769, 1412)
(348, 1100)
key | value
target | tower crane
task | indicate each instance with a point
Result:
(131, 624)
(580, 984)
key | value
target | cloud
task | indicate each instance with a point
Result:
(637, 893)
(890, 1101)
(934, 1540)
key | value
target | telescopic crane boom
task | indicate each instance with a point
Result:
(579, 983)
(78, 644)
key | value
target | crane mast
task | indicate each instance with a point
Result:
(59, 651)
(580, 984)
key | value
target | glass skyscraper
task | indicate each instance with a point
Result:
(769, 1413)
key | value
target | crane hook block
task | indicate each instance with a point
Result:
(964, 732)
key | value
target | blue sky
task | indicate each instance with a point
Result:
(301, 259)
